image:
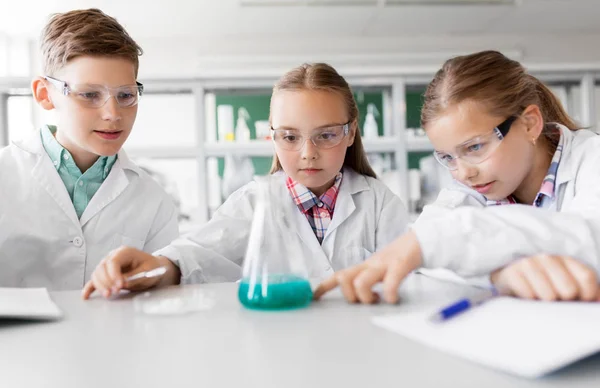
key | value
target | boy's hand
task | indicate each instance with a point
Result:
(390, 266)
(548, 278)
(110, 275)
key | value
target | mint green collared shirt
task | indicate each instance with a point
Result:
(81, 187)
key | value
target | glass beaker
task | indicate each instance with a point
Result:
(274, 274)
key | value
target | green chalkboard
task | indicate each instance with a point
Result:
(414, 102)
(257, 105)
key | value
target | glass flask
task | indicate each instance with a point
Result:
(274, 274)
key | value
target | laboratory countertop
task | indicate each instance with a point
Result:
(112, 343)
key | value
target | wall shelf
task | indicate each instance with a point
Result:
(265, 148)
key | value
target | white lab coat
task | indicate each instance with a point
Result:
(460, 233)
(44, 244)
(367, 216)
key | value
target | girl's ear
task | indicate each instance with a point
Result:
(41, 94)
(534, 122)
(352, 132)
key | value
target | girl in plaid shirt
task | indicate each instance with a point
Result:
(342, 212)
(506, 140)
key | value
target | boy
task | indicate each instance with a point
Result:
(69, 194)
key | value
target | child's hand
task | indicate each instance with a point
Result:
(110, 275)
(548, 278)
(390, 266)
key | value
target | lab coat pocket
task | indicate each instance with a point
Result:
(121, 241)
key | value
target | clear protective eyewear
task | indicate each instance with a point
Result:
(477, 149)
(95, 96)
(323, 138)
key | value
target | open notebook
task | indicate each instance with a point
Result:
(526, 338)
(27, 303)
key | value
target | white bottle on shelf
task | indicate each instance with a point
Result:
(239, 169)
(371, 128)
(225, 122)
(371, 131)
(414, 192)
(263, 129)
(242, 132)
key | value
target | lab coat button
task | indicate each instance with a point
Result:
(78, 241)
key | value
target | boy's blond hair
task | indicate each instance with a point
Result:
(88, 32)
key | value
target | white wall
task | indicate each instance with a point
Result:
(198, 58)
(181, 58)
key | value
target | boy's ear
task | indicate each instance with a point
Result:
(41, 94)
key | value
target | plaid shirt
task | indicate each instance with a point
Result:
(545, 197)
(318, 211)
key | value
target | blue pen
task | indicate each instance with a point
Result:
(463, 305)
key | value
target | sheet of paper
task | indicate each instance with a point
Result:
(27, 303)
(526, 338)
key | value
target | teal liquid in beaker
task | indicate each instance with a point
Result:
(279, 292)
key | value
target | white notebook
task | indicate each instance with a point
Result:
(526, 338)
(27, 303)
